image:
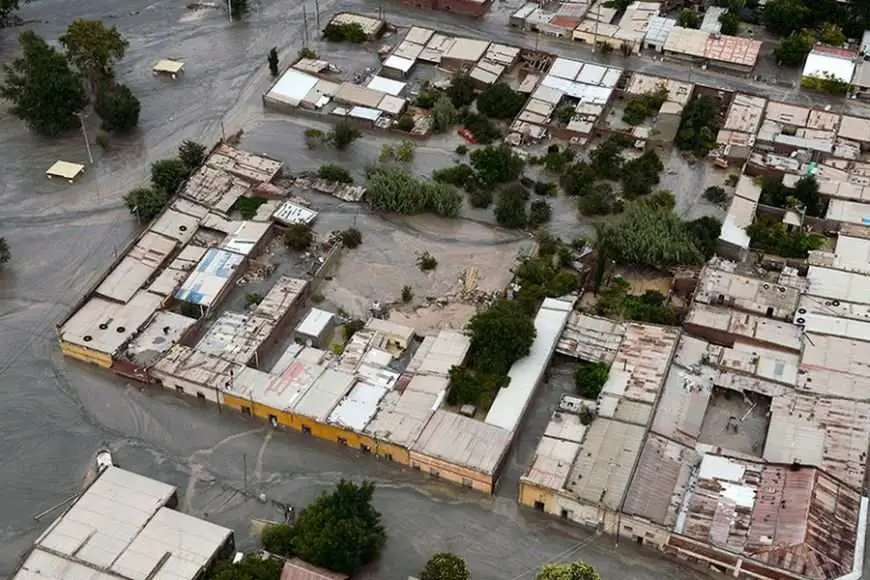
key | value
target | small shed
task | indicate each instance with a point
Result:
(316, 328)
(169, 67)
(65, 170)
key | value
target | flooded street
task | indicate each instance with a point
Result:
(56, 413)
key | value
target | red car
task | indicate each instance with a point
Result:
(467, 135)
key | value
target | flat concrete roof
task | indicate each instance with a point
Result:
(464, 442)
(134, 269)
(103, 325)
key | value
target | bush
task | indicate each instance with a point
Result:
(253, 298)
(343, 135)
(541, 277)
(768, 234)
(510, 210)
(827, 83)
(540, 213)
(352, 32)
(306, 52)
(640, 108)
(427, 262)
(406, 123)
(699, 124)
(407, 294)
(496, 165)
(397, 191)
(590, 378)
(499, 101)
(640, 175)
(299, 237)
(730, 23)
(715, 194)
(332, 172)
(192, 154)
(248, 206)
(169, 175)
(616, 302)
(599, 200)
(459, 175)
(313, 137)
(606, 160)
(146, 203)
(480, 198)
(461, 149)
(461, 91)
(351, 238)
(444, 114)
(556, 161)
(445, 566)
(278, 539)
(578, 179)
(118, 108)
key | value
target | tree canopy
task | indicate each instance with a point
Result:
(343, 135)
(496, 165)
(606, 159)
(589, 378)
(7, 12)
(146, 202)
(352, 32)
(500, 336)
(783, 17)
(45, 92)
(251, 567)
(5, 255)
(499, 101)
(117, 106)
(510, 209)
(792, 50)
(445, 566)
(169, 174)
(444, 114)
(340, 531)
(394, 190)
(699, 124)
(770, 235)
(461, 91)
(575, 571)
(192, 154)
(688, 18)
(641, 174)
(93, 49)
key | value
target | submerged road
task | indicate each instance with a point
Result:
(54, 413)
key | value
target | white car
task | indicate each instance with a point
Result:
(104, 460)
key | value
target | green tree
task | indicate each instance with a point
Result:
(341, 531)
(273, 62)
(699, 124)
(460, 175)
(540, 213)
(643, 106)
(688, 18)
(146, 203)
(481, 127)
(5, 255)
(715, 194)
(238, 9)
(496, 165)
(7, 12)
(93, 49)
(333, 172)
(406, 123)
(606, 160)
(251, 567)
(640, 175)
(343, 135)
(118, 107)
(500, 336)
(307, 52)
(598, 200)
(510, 209)
(352, 32)
(577, 179)
(784, 17)
(44, 91)
(705, 234)
(445, 566)
(278, 539)
(590, 379)
(730, 23)
(169, 175)
(770, 235)
(792, 51)
(351, 238)
(192, 154)
(543, 277)
(575, 571)
(499, 101)
(444, 114)
(394, 190)
(299, 237)
(461, 91)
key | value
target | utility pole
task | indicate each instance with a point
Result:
(245, 467)
(230, 9)
(85, 135)
(304, 26)
(317, 15)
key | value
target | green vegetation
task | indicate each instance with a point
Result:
(252, 567)
(640, 108)
(299, 237)
(313, 137)
(767, 234)
(406, 123)
(544, 276)
(495, 165)
(688, 18)
(352, 32)
(117, 107)
(272, 59)
(617, 302)
(407, 294)
(394, 190)
(827, 83)
(500, 336)
(793, 50)
(169, 175)
(578, 179)
(340, 531)
(7, 12)
(589, 378)
(343, 135)
(445, 566)
(481, 127)
(730, 23)
(606, 159)
(94, 50)
(306, 52)
(557, 160)
(351, 238)
(470, 387)
(540, 213)
(444, 114)
(253, 298)
(499, 101)
(352, 327)
(481, 198)
(831, 34)
(715, 194)
(460, 175)
(428, 96)
(599, 200)
(461, 149)
(510, 208)
(699, 124)
(640, 175)
(146, 203)
(804, 196)
(427, 262)
(192, 154)
(576, 571)
(546, 189)
(44, 91)
(248, 206)
(705, 232)
(333, 172)
(461, 91)
(403, 152)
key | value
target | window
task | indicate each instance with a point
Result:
(415, 465)
(342, 441)
(200, 396)
(179, 389)
(389, 456)
(539, 505)
(365, 449)
(246, 410)
(564, 514)
(466, 482)
(306, 429)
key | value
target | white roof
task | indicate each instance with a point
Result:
(585, 93)
(211, 275)
(358, 408)
(134, 269)
(386, 85)
(512, 401)
(103, 325)
(565, 68)
(315, 322)
(289, 213)
(245, 236)
(821, 64)
(326, 392)
(364, 113)
(119, 528)
(398, 63)
(838, 285)
(292, 87)
(65, 169)
(168, 66)
(849, 211)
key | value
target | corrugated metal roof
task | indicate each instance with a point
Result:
(140, 263)
(358, 408)
(552, 463)
(292, 87)
(438, 354)
(463, 442)
(297, 569)
(210, 276)
(326, 392)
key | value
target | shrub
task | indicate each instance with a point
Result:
(459, 175)
(427, 262)
(461, 149)
(406, 123)
(248, 206)
(590, 379)
(394, 190)
(352, 32)
(540, 213)
(480, 198)
(299, 237)
(715, 194)
(253, 298)
(510, 210)
(332, 172)
(407, 294)
(640, 108)
(343, 135)
(146, 202)
(351, 238)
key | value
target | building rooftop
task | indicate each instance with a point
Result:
(323, 396)
(840, 210)
(824, 61)
(243, 237)
(419, 35)
(642, 359)
(196, 367)
(659, 29)
(855, 128)
(687, 41)
(235, 337)
(359, 406)
(280, 392)
(711, 23)
(371, 26)
(467, 49)
(120, 528)
(525, 375)
(104, 326)
(438, 354)
(745, 326)
(292, 87)
(837, 285)
(176, 224)
(745, 113)
(161, 333)
(207, 281)
(289, 213)
(732, 49)
(403, 415)
(171, 277)
(717, 287)
(678, 92)
(463, 442)
(591, 338)
(601, 472)
(787, 114)
(134, 269)
(296, 569)
(552, 463)
(314, 322)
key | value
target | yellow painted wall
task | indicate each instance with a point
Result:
(453, 473)
(323, 431)
(530, 493)
(86, 355)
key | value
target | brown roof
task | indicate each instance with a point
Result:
(297, 569)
